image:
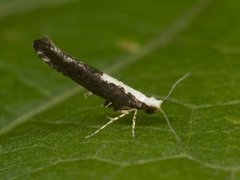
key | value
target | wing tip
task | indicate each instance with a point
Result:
(43, 43)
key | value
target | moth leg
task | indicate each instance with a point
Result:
(109, 122)
(134, 122)
(133, 119)
(107, 105)
(87, 94)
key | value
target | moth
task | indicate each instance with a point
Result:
(118, 96)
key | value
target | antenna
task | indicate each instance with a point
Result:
(175, 84)
(172, 129)
(165, 115)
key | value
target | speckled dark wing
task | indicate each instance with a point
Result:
(85, 75)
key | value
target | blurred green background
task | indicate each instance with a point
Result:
(44, 116)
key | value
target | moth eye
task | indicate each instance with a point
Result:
(150, 110)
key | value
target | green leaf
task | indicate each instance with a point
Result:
(148, 45)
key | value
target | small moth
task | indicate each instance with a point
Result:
(118, 96)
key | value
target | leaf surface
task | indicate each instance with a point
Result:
(45, 117)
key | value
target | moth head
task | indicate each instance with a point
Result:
(152, 105)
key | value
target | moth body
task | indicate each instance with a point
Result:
(120, 95)
(117, 95)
